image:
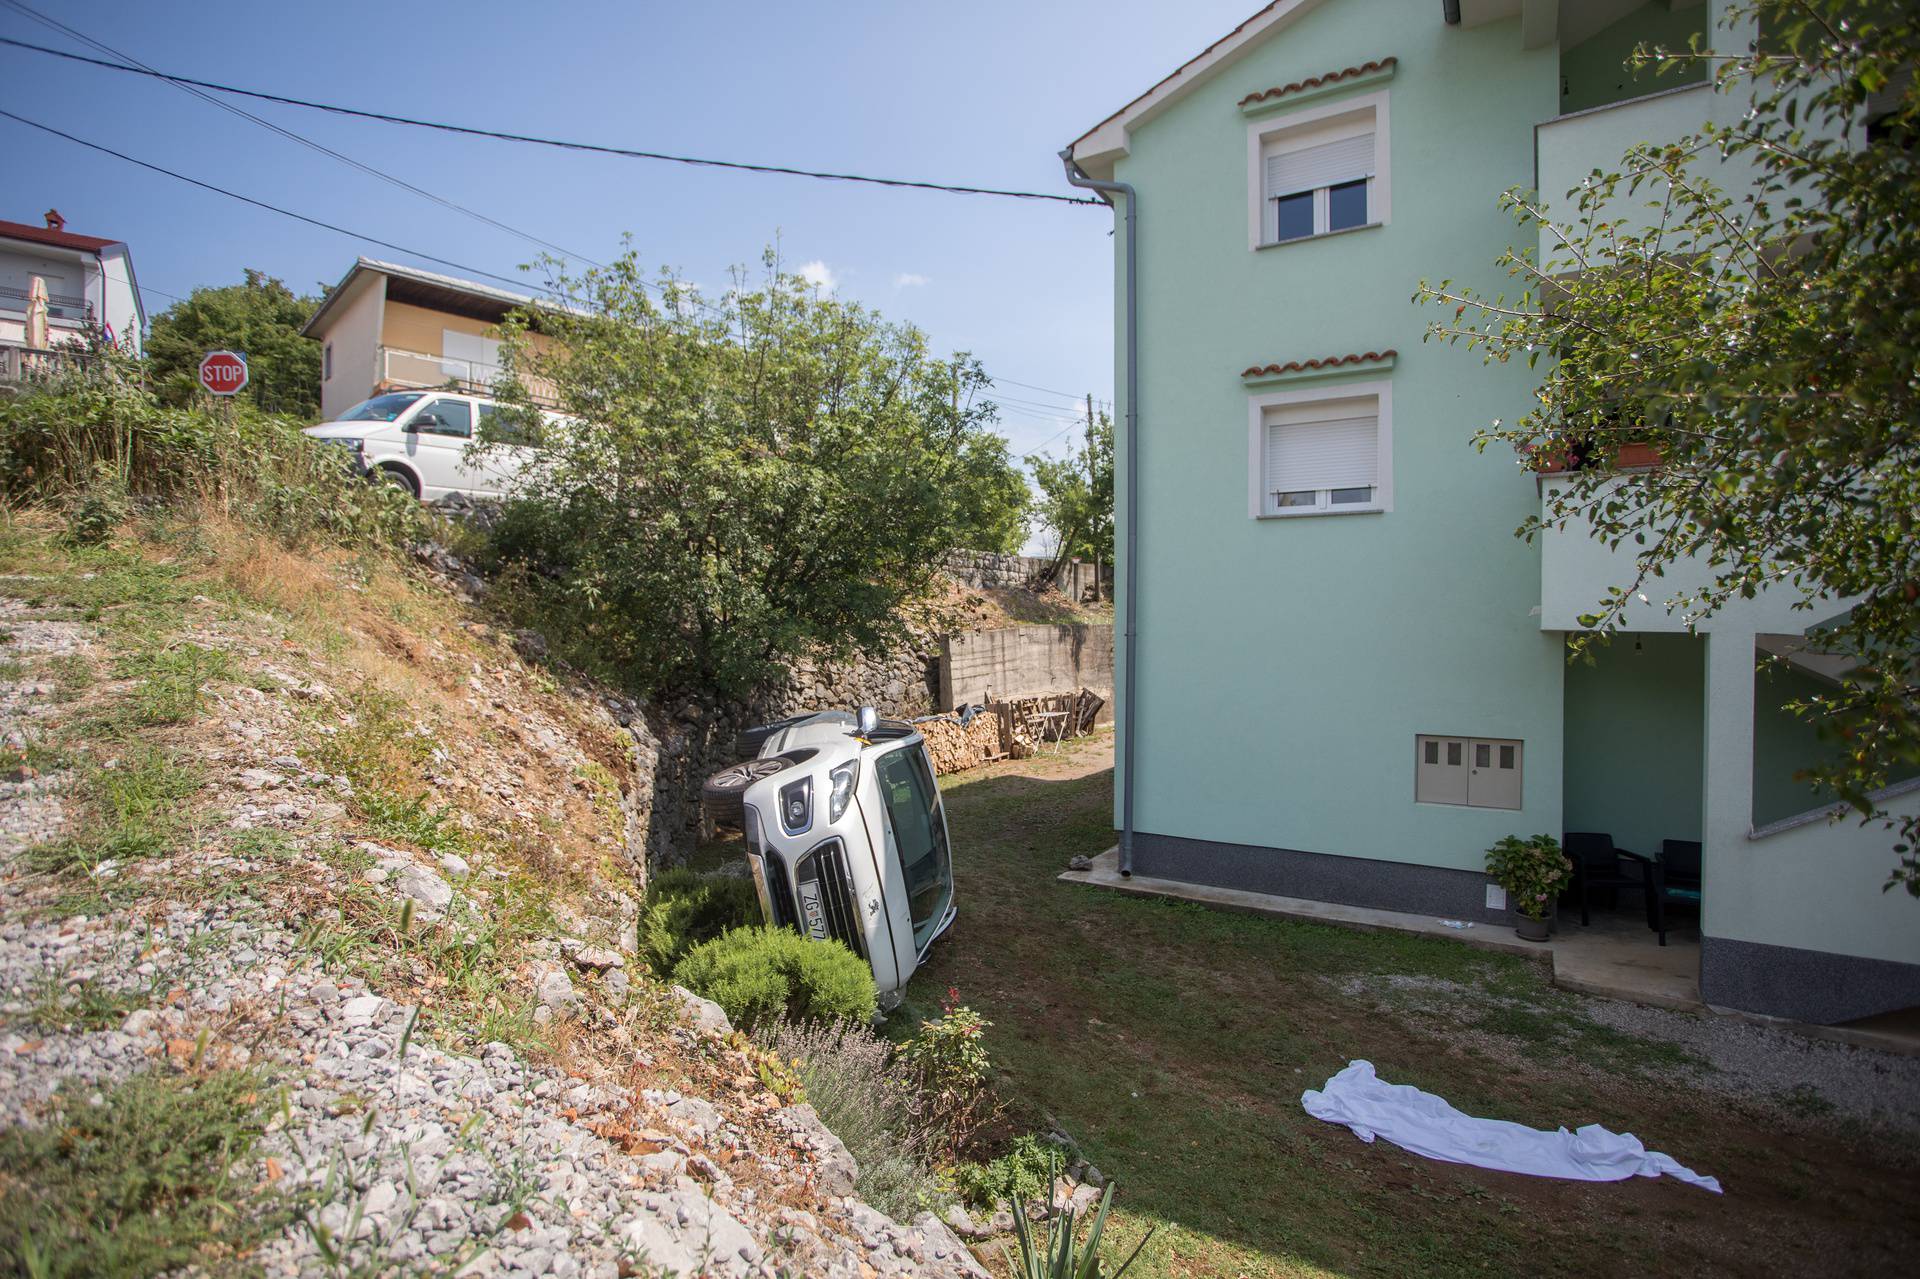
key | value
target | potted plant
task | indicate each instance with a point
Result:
(1533, 871)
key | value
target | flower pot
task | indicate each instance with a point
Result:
(1636, 454)
(1531, 929)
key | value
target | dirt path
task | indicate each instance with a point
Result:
(1173, 1042)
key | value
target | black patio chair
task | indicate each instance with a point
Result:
(1599, 866)
(1676, 881)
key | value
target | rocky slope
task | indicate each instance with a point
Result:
(307, 822)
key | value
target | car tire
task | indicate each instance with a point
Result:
(724, 795)
(398, 478)
(748, 743)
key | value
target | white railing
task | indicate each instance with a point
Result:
(418, 369)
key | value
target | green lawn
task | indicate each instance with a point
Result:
(1174, 1041)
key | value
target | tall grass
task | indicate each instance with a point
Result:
(869, 1103)
(91, 437)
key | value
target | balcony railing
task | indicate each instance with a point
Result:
(22, 363)
(60, 306)
(401, 369)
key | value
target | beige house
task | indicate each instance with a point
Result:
(387, 327)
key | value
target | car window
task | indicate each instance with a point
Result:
(919, 837)
(381, 408)
(503, 425)
(444, 417)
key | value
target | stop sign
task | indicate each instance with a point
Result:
(224, 372)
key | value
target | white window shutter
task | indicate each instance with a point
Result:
(1335, 454)
(1324, 165)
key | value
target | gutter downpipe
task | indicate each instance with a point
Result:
(1131, 579)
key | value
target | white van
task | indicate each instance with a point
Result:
(420, 439)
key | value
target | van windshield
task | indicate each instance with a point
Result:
(381, 408)
(919, 838)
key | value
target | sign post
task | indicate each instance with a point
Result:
(224, 372)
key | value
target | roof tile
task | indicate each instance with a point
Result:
(1324, 362)
(47, 235)
(1314, 82)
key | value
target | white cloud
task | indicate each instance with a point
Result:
(908, 280)
(819, 276)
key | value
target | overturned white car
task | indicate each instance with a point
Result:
(846, 836)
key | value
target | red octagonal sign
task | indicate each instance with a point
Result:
(224, 372)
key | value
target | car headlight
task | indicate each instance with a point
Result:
(796, 806)
(842, 794)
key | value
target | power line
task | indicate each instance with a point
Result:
(562, 144)
(262, 204)
(289, 134)
(1075, 396)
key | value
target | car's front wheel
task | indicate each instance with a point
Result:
(397, 478)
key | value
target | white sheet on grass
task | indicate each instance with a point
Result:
(1427, 1125)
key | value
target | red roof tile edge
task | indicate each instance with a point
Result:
(1314, 82)
(1307, 366)
(49, 235)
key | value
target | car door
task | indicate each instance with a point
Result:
(509, 448)
(437, 436)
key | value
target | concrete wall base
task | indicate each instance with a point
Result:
(1803, 985)
(1349, 881)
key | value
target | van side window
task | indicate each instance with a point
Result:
(500, 424)
(444, 417)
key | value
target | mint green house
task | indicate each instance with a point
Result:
(1350, 678)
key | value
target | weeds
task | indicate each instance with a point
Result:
(136, 808)
(173, 681)
(866, 1100)
(139, 1183)
(84, 1005)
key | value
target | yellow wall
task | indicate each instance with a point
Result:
(415, 328)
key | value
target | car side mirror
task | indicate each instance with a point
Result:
(425, 422)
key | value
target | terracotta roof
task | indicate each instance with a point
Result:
(59, 239)
(1326, 362)
(1315, 81)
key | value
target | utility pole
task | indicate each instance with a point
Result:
(1092, 468)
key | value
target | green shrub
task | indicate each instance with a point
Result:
(684, 908)
(757, 974)
(1021, 1175)
(148, 1178)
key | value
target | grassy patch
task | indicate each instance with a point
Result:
(1173, 1043)
(135, 806)
(384, 756)
(139, 1184)
(86, 1005)
(173, 681)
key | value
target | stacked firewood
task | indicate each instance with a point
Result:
(1032, 722)
(956, 747)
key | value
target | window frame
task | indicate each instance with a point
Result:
(1379, 390)
(1318, 119)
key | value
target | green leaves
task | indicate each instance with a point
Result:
(748, 481)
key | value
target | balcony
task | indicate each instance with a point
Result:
(1571, 147)
(417, 370)
(1577, 572)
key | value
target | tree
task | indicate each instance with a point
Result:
(995, 499)
(738, 482)
(1763, 341)
(1075, 506)
(260, 317)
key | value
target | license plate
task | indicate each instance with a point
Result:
(810, 907)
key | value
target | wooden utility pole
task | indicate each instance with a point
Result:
(1092, 470)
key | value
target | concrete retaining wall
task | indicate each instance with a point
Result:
(1026, 661)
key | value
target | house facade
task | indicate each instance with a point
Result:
(1351, 677)
(83, 278)
(386, 327)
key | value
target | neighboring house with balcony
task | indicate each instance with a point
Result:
(1351, 677)
(84, 278)
(386, 327)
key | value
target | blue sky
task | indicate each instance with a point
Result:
(983, 93)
